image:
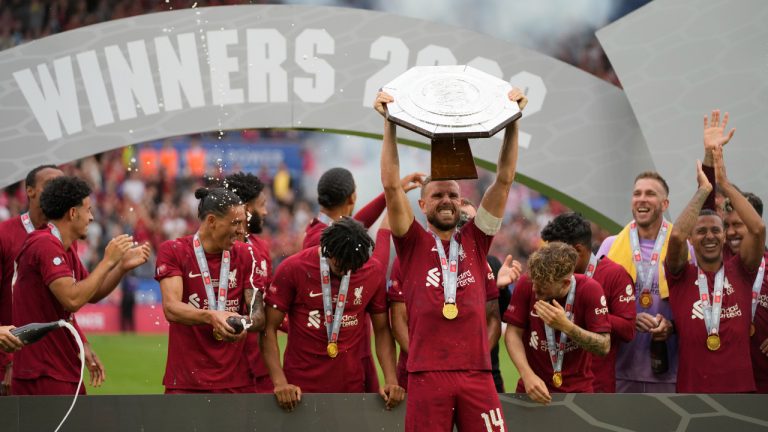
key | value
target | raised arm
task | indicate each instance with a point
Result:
(751, 249)
(714, 136)
(495, 198)
(677, 251)
(398, 209)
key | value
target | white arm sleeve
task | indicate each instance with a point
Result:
(486, 222)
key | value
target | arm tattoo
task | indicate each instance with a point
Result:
(596, 343)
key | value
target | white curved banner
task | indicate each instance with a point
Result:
(148, 77)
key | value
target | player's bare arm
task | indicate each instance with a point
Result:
(391, 392)
(255, 300)
(677, 252)
(493, 322)
(495, 198)
(74, 294)
(177, 311)
(133, 257)
(554, 316)
(288, 395)
(399, 317)
(751, 250)
(534, 386)
(398, 209)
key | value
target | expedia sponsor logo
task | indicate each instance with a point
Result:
(601, 311)
(627, 299)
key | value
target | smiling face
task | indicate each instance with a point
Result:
(255, 212)
(649, 202)
(227, 229)
(735, 230)
(440, 203)
(708, 238)
(81, 217)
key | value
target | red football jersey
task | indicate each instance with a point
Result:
(619, 292)
(41, 261)
(436, 343)
(727, 370)
(296, 290)
(760, 360)
(590, 313)
(196, 360)
(264, 270)
(12, 236)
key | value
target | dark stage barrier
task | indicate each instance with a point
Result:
(365, 412)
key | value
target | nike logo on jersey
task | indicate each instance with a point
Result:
(193, 275)
(314, 294)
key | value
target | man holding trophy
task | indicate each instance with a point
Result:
(449, 368)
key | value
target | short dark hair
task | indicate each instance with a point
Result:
(570, 228)
(335, 186)
(61, 194)
(709, 212)
(348, 243)
(245, 186)
(653, 175)
(215, 201)
(31, 180)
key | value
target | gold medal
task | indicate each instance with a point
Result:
(557, 379)
(333, 350)
(450, 310)
(713, 342)
(646, 300)
(217, 336)
(752, 329)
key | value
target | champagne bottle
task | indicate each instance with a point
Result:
(33, 332)
(659, 357)
(238, 323)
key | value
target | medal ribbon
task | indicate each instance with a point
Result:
(27, 222)
(333, 320)
(634, 239)
(450, 267)
(591, 267)
(711, 308)
(55, 231)
(557, 352)
(756, 286)
(202, 263)
(324, 218)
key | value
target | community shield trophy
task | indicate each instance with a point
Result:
(451, 104)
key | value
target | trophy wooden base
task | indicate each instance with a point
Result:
(452, 159)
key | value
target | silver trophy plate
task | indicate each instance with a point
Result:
(451, 101)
